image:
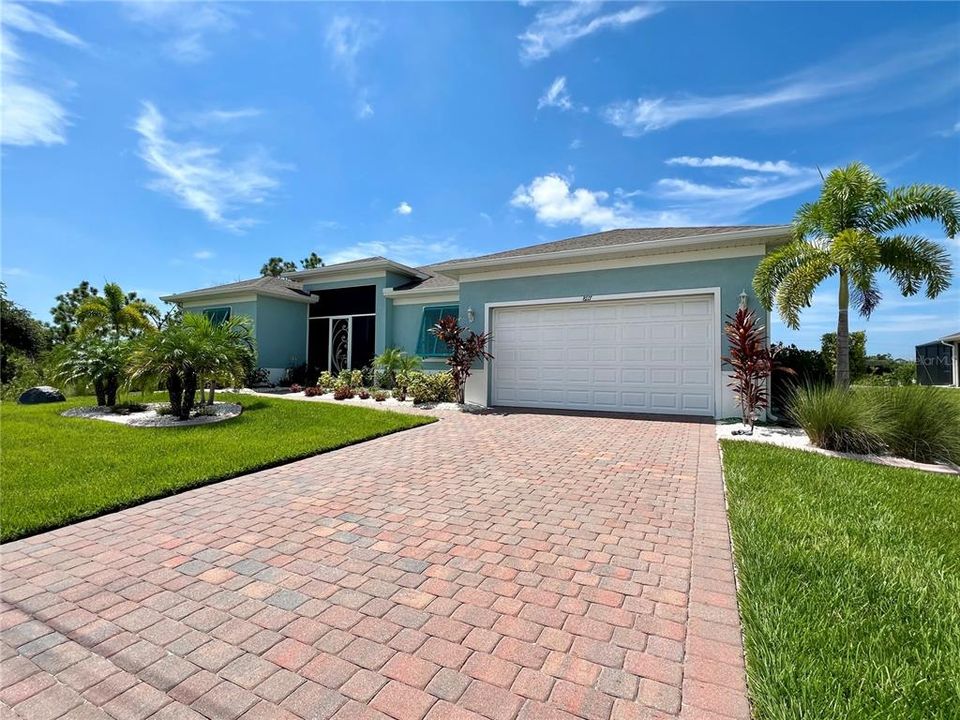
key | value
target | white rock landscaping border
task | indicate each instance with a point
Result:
(797, 439)
(389, 403)
(150, 419)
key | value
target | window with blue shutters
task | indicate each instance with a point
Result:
(218, 315)
(429, 345)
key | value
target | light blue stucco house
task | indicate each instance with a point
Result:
(623, 320)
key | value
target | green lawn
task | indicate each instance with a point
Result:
(849, 585)
(58, 470)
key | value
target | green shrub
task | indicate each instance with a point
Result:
(380, 395)
(432, 388)
(326, 381)
(919, 422)
(837, 419)
(401, 383)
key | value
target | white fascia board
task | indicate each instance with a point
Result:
(418, 297)
(208, 300)
(770, 236)
(334, 272)
(212, 296)
(666, 258)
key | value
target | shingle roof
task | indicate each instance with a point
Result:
(436, 281)
(627, 236)
(269, 285)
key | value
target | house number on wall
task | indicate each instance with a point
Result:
(587, 298)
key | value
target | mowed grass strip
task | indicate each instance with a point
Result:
(56, 470)
(850, 585)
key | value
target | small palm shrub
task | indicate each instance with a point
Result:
(837, 418)
(433, 388)
(343, 392)
(313, 391)
(392, 361)
(380, 395)
(920, 423)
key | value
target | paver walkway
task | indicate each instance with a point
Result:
(497, 566)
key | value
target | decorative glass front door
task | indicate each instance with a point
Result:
(340, 336)
(342, 342)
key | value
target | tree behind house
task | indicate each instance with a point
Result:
(858, 353)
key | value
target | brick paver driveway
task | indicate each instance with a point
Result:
(498, 566)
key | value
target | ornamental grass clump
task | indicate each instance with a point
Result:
(838, 418)
(920, 423)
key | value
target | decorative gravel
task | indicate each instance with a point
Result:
(387, 404)
(150, 419)
(797, 439)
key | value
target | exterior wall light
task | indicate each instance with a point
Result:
(471, 315)
(743, 299)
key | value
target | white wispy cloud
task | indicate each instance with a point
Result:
(854, 76)
(16, 272)
(346, 39)
(204, 255)
(668, 201)
(30, 114)
(404, 208)
(185, 27)
(197, 174)
(221, 116)
(776, 167)
(556, 26)
(555, 202)
(22, 18)
(408, 250)
(556, 96)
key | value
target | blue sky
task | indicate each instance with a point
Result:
(174, 146)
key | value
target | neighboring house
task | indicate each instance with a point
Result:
(623, 320)
(938, 362)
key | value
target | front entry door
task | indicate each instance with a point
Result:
(341, 331)
(341, 342)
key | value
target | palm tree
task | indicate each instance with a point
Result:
(394, 360)
(219, 351)
(114, 311)
(852, 231)
(195, 350)
(92, 360)
(163, 357)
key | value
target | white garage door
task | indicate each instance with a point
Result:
(643, 356)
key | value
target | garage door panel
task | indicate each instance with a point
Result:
(634, 356)
(606, 375)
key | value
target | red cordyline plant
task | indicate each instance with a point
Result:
(752, 360)
(464, 350)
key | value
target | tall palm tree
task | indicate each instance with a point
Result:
(115, 311)
(853, 231)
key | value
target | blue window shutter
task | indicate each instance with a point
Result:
(428, 345)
